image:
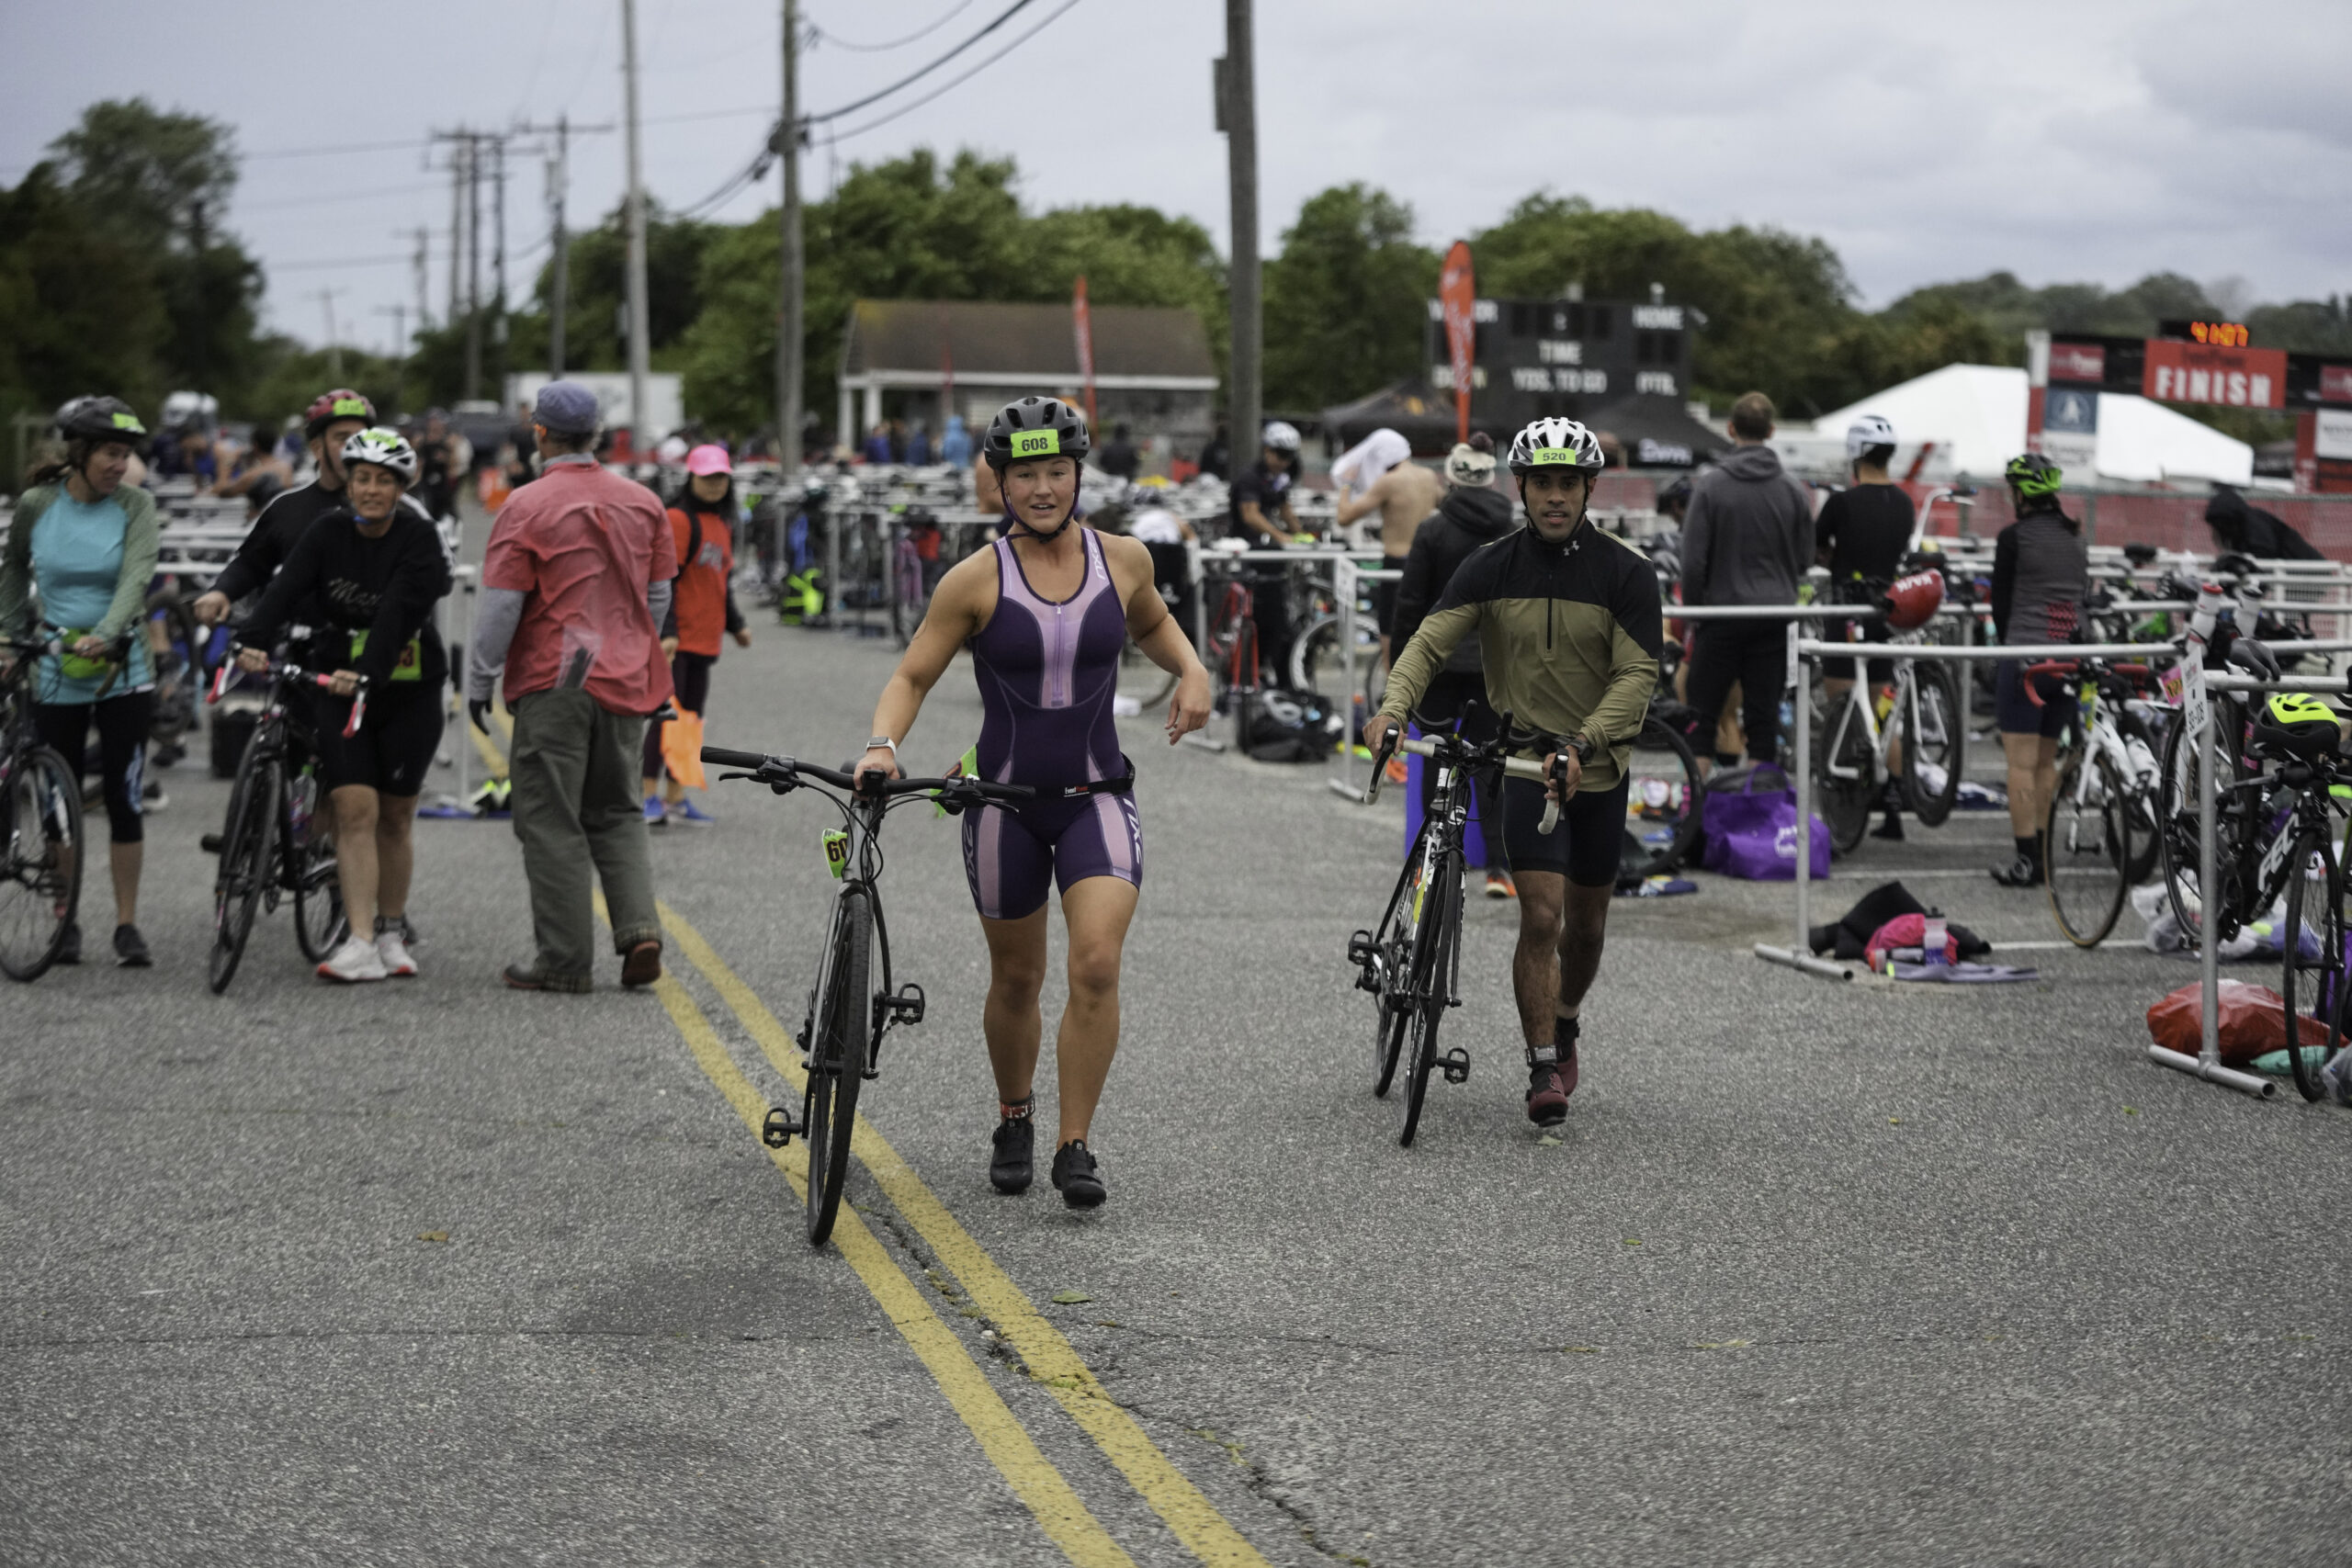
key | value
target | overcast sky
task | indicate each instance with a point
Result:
(2064, 139)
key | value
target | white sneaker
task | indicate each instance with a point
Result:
(355, 961)
(392, 950)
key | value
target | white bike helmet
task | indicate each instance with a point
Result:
(1556, 440)
(385, 448)
(1866, 432)
(1280, 436)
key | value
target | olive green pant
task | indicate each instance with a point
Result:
(573, 766)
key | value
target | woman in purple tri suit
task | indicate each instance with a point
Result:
(1046, 612)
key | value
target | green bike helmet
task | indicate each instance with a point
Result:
(2033, 475)
(2295, 724)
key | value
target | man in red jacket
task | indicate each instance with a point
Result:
(576, 579)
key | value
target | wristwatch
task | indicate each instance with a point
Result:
(1584, 747)
(882, 740)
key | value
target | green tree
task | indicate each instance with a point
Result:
(79, 309)
(1345, 301)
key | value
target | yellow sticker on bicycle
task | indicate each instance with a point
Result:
(836, 852)
(1037, 443)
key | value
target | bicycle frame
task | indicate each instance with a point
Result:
(1857, 700)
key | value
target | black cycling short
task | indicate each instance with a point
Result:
(1585, 845)
(1872, 631)
(122, 724)
(2014, 711)
(393, 751)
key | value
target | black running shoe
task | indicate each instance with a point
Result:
(1014, 1164)
(1077, 1176)
(131, 948)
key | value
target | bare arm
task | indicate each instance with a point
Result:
(1163, 642)
(1255, 519)
(962, 604)
(1375, 497)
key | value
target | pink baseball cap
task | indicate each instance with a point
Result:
(710, 459)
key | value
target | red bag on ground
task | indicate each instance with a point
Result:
(2253, 1022)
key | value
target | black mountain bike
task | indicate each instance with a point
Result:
(40, 828)
(1412, 962)
(841, 1033)
(272, 844)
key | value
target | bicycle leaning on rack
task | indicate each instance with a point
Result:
(272, 844)
(40, 826)
(841, 1033)
(2099, 836)
(1411, 963)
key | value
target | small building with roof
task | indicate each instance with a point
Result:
(927, 359)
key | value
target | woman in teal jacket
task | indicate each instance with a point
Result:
(86, 543)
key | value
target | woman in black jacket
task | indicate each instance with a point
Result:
(1472, 515)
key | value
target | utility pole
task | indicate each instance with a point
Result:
(457, 220)
(559, 187)
(498, 220)
(334, 345)
(640, 342)
(203, 284)
(424, 303)
(399, 313)
(1238, 117)
(473, 265)
(790, 329)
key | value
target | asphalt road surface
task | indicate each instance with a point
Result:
(434, 1272)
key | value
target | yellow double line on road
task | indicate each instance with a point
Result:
(1050, 1358)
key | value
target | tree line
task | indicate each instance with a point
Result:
(116, 273)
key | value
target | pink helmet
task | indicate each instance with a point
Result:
(710, 459)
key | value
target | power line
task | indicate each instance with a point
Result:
(243, 208)
(950, 84)
(1004, 16)
(338, 261)
(952, 12)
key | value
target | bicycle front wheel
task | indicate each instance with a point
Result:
(2087, 849)
(319, 923)
(248, 866)
(1935, 744)
(2311, 980)
(40, 883)
(837, 1062)
(1392, 953)
(1845, 796)
(1434, 936)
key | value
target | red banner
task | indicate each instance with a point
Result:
(2078, 362)
(2200, 373)
(2336, 383)
(1084, 322)
(1458, 294)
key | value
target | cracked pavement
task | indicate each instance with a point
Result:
(1817, 1273)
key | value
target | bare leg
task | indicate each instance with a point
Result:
(2024, 753)
(1010, 1019)
(124, 860)
(1562, 928)
(395, 853)
(354, 856)
(1097, 911)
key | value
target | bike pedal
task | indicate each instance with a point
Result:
(1455, 1065)
(779, 1128)
(908, 1005)
(1359, 947)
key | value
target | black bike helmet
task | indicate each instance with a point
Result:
(2294, 723)
(99, 419)
(1034, 427)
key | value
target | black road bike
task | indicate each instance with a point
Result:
(1412, 962)
(273, 844)
(40, 828)
(841, 1033)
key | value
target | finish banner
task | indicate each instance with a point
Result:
(1457, 293)
(2200, 373)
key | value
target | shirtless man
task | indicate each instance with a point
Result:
(1405, 494)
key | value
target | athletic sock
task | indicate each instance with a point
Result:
(1564, 1035)
(2030, 848)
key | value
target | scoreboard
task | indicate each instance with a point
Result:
(1535, 358)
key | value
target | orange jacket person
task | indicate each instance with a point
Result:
(702, 608)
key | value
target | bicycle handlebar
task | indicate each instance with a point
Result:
(787, 770)
(1515, 767)
(299, 676)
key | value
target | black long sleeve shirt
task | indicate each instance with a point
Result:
(342, 582)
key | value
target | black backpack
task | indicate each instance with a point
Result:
(1280, 725)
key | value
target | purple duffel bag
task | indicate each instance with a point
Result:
(1750, 818)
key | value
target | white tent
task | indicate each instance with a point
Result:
(1979, 410)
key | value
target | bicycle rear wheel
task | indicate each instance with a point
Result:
(40, 881)
(1935, 744)
(319, 923)
(837, 1063)
(2086, 849)
(2311, 981)
(1391, 951)
(1434, 936)
(248, 865)
(1663, 803)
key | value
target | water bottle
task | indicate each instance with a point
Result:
(2207, 614)
(300, 799)
(1931, 944)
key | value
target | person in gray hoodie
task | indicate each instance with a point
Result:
(1747, 540)
(1470, 515)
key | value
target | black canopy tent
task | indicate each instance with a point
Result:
(1657, 432)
